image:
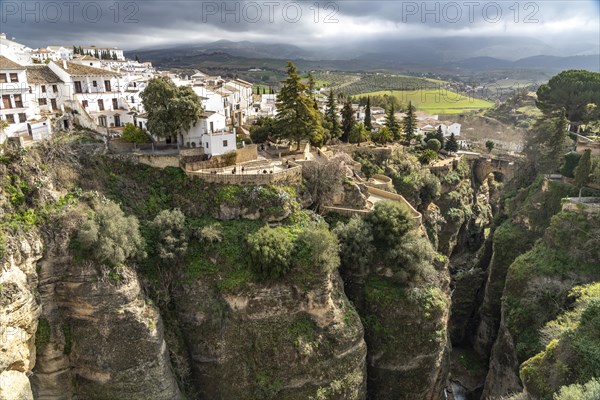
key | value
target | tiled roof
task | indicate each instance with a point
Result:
(6, 63)
(41, 74)
(84, 70)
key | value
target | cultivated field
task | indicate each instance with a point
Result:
(436, 101)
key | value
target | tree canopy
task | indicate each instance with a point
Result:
(171, 108)
(391, 122)
(348, 120)
(409, 122)
(297, 117)
(572, 91)
(332, 120)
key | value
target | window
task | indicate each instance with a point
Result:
(101, 105)
(55, 88)
(3, 78)
(107, 86)
(224, 143)
(6, 101)
(78, 87)
(43, 88)
(115, 104)
(18, 101)
(84, 103)
(10, 118)
(14, 78)
(42, 101)
(206, 144)
(94, 84)
(22, 117)
(53, 103)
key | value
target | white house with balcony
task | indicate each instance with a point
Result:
(16, 106)
(210, 133)
(96, 92)
(48, 91)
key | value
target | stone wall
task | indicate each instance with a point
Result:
(158, 161)
(247, 153)
(290, 176)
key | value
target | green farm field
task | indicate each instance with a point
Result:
(436, 101)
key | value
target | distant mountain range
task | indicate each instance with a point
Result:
(448, 53)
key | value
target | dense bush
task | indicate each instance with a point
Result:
(109, 236)
(319, 247)
(587, 391)
(387, 236)
(271, 251)
(571, 161)
(324, 180)
(434, 144)
(134, 134)
(389, 221)
(356, 243)
(170, 235)
(428, 156)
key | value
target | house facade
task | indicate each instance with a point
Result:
(96, 92)
(15, 108)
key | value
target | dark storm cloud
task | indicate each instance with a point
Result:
(133, 24)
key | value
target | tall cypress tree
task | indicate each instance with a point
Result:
(348, 120)
(409, 122)
(583, 170)
(311, 85)
(297, 119)
(392, 123)
(452, 144)
(331, 117)
(368, 124)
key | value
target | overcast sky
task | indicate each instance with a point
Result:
(138, 24)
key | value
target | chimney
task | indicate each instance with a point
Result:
(65, 64)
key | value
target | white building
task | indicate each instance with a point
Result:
(47, 89)
(17, 52)
(94, 93)
(14, 91)
(97, 52)
(58, 53)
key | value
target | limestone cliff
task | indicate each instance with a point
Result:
(18, 321)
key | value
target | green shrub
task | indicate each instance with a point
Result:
(356, 243)
(109, 236)
(43, 333)
(571, 161)
(134, 134)
(212, 233)
(171, 235)
(389, 221)
(587, 391)
(434, 145)
(319, 247)
(428, 156)
(271, 251)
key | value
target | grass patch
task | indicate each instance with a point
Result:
(436, 101)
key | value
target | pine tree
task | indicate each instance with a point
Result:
(583, 170)
(358, 134)
(409, 122)
(297, 119)
(311, 85)
(392, 123)
(331, 117)
(348, 120)
(452, 144)
(368, 124)
(439, 135)
(137, 58)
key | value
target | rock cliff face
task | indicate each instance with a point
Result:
(99, 336)
(18, 321)
(273, 341)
